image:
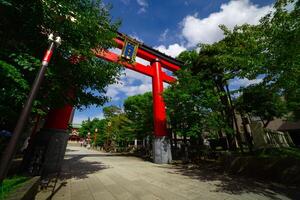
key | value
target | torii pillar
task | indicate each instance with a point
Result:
(161, 144)
(53, 138)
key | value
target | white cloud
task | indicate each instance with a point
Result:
(142, 61)
(139, 89)
(113, 92)
(145, 83)
(236, 95)
(172, 50)
(206, 30)
(290, 6)
(78, 119)
(143, 6)
(237, 83)
(163, 36)
(132, 83)
(142, 3)
(142, 10)
(116, 50)
(134, 36)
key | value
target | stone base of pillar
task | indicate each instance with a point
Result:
(48, 152)
(162, 150)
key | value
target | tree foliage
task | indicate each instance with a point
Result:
(191, 105)
(96, 128)
(261, 101)
(111, 111)
(138, 109)
(281, 31)
(112, 131)
(74, 74)
(120, 128)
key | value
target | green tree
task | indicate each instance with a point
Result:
(120, 131)
(281, 32)
(202, 87)
(85, 128)
(74, 74)
(115, 130)
(193, 106)
(97, 130)
(138, 109)
(111, 111)
(261, 101)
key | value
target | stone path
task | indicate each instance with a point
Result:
(93, 175)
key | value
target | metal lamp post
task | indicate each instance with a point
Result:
(10, 149)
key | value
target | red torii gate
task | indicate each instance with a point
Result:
(58, 119)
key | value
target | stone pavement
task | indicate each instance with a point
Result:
(93, 175)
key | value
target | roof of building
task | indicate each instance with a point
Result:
(290, 126)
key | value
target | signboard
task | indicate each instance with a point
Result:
(129, 50)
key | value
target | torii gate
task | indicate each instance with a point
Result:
(58, 119)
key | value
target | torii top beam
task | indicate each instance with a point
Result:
(150, 54)
(145, 52)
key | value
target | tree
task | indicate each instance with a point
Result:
(138, 109)
(111, 111)
(193, 106)
(96, 128)
(202, 87)
(115, 130)
(261, 101)
(281, 32)
(74, 75)
(119, 130)
(85, 128)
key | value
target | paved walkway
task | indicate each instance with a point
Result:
(93, 175)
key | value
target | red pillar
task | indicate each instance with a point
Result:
(59, 118)
(159, 110)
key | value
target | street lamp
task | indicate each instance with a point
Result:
(89, 140)
(95, 138)
(10, 149)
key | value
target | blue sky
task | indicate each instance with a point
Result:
(173, 26)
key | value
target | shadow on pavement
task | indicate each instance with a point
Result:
(102, 154)
(78, 168)
(74, 166)
(63, 184)
(234, 184)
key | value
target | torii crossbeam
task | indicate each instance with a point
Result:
(59, 118)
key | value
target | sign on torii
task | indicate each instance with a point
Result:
(59, 118)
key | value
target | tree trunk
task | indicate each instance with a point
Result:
(184, 150)
(237, 128)
(225, 101)
(248, 133)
